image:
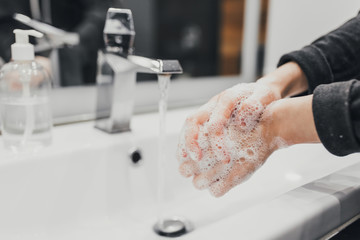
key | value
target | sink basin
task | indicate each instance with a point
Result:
(85, 186)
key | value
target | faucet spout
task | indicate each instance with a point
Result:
(158, 66)
(143, 64)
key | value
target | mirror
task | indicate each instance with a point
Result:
(205, 36)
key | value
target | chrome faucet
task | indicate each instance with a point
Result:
(117, 72)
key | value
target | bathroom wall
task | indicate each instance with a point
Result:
(293, 24)
(178, 29)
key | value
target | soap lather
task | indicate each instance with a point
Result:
(25, 113)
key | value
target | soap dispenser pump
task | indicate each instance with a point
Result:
(25, 114)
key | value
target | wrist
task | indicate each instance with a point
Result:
(292, 120)
(287, 80)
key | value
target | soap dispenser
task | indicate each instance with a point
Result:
(25, 114)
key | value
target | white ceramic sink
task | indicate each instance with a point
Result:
(85, 187)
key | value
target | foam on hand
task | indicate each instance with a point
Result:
(232, 150)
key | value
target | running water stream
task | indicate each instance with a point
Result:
(164, 82)
(167, 225)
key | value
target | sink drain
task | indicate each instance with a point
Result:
(172, 227)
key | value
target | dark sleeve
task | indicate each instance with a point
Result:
(336, 109)
(334, 57)
(329, 63)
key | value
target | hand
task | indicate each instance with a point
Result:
(249, 99)
(232, 135)
(279, 125)
(220, 144)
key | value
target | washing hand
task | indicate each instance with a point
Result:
(245, 140)
(247, 99)
(224, 142)
(232, 135)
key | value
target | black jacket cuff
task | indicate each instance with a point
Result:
(331, 110)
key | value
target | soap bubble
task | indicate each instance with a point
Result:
(231, 150)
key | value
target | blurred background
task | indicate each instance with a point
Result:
(219, 43)
(205, 36)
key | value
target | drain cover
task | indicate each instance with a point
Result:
(172, 227)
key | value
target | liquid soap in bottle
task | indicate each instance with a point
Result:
(25, 114)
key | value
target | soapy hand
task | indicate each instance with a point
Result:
(228, 138)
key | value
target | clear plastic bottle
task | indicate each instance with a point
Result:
(26, 119)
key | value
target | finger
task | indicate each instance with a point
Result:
(219, 148)
(192, 134)
(193, 123)
(204, 180)
(227, 103)
(222, 113)
(181, 153)
(223, 185)
(253, 106)
(248, 114)
(219, 188)
(239, 173)
(188, 168)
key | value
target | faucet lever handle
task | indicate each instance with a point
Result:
(119, 32)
